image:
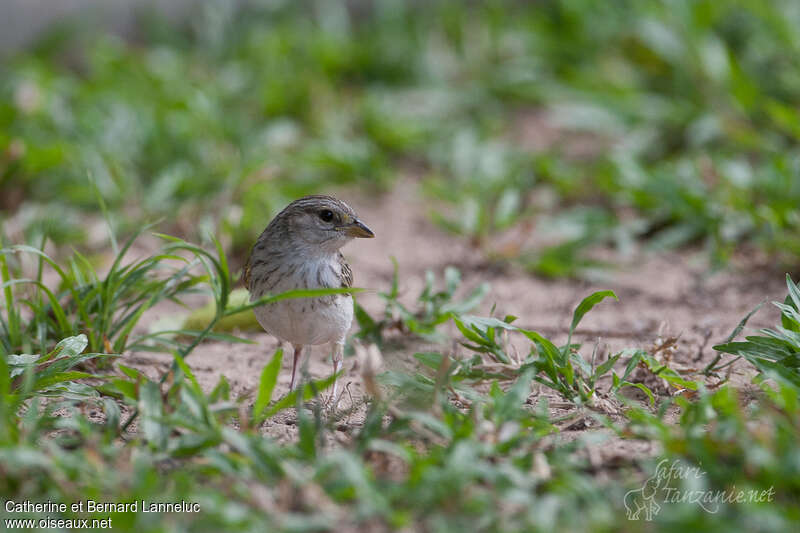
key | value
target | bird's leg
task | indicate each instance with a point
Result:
(298, 351)
(338, 350)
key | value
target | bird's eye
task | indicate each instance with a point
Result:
(326, 215)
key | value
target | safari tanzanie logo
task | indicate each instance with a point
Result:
(676, 482)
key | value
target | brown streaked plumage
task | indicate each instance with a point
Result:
(299, 249)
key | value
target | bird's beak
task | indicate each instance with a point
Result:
(356, 228)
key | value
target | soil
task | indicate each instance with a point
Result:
(662, 296)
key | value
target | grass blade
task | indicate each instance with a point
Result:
(269, 378)
(584, 307)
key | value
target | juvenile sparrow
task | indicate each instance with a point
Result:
(299, 249)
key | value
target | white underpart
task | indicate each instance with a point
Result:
(305, 321)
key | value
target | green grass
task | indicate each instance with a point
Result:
(658, 124)
(461, 455)
(776, 352)
(432, 308)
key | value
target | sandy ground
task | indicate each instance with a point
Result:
(661, 295)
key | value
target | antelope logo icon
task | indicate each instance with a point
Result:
(644, 499)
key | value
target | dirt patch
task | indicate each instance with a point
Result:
(662, 295)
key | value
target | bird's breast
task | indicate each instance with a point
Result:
(317, 320)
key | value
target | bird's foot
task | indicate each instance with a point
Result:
(330, 402)
(324, 402)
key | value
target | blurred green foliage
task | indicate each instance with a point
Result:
(685, 111)
(590, 123)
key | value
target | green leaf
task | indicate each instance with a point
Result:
(789, 315)
(61, 377)
(738, 329)
(152, 411)
(756, 348)
(192, 444)
(112, 412)
(224, 274)
(431, 422)
(307, 432)
(510, 402)
(269, 378)
(632, 362)
(469, 333)
(55, 307)
(487, 322)
(605, 367)
(294, 293)
(188, 373)
(430, 359)
(131, 372)
(221, 392)
(794, 292)
(24, 359)
(583, 365)
(584, 307)
(779, 372)
(69, 347)
(395, 277)
(668, 374)
(386, 446)
(546, 347)
(290, 400)
(127, 388)
(568, 372)
(5, 390)
(469, 303)
(18, 363)
(365, 321)
(619, 384)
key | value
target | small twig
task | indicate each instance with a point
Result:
(458, 397)
(710, 366)
(729, 363)
(594, 353)
(702, 347)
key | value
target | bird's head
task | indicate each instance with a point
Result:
(324, 222)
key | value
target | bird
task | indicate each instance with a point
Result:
(300, 249)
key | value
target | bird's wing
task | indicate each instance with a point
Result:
(347, 272)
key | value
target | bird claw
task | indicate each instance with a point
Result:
(324, 402)
(331, 403)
